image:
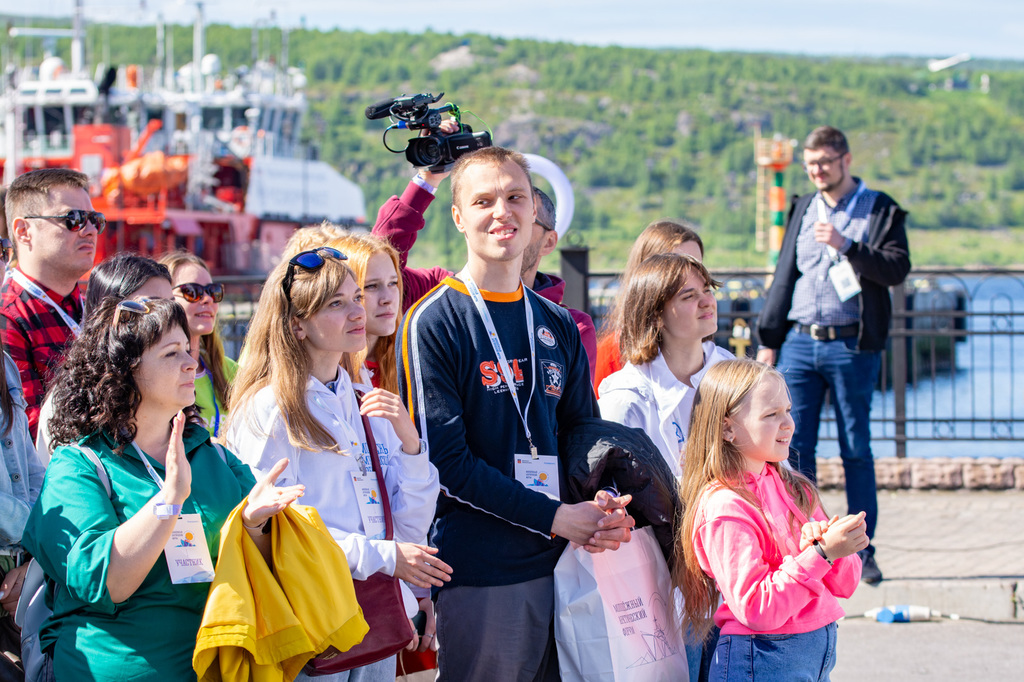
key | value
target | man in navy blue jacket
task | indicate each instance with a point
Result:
(826, 316)
(492, 371)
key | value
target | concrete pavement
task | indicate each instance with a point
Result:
(957, 552)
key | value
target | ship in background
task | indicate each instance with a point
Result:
(191, 158)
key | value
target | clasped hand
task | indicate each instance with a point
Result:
(839, 537)
(598, 525)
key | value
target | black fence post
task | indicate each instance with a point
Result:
(900, 341)
(575, 265)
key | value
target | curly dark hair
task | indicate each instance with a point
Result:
(95, 389)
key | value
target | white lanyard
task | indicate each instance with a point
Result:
(37, 291)
(823, 215)
(506, 370)
(149, 467)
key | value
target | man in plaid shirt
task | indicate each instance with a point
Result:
(54, 230)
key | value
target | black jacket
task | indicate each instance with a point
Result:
(598, 453)
(882, 260)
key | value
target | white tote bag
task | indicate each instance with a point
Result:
(613, 618)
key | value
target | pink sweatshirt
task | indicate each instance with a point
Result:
(767, 588)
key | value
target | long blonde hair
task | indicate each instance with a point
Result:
(359, 247)
(712, 463)
(275, 357)
(211, 346)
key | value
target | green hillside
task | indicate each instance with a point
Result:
(651, 133)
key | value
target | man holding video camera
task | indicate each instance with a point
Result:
(491, 372)
(400, 219)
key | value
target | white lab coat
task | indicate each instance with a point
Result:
(651, 398)
(259, 437)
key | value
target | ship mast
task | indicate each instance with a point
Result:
(77, 42)
(198, 49)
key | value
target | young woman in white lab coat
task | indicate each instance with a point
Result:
(669, 309)
(293, 399)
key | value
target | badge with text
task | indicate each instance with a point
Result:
(187, 554)
(844, 279)
(371, 507)
(539, 474)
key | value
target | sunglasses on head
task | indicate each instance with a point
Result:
(6, 250)
(193, 292)
(129, 305)
(76, 218)
(311, 260)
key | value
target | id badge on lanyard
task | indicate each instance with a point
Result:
(841, 273)
(186, 552)
(535, 471)
(371, 509)
(539, 475)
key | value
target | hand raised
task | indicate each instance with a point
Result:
(266, 499)
(177, 470)
(381, 403)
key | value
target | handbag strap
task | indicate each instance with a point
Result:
(389, 528)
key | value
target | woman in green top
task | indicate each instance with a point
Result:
(126, 393)
(195, 290)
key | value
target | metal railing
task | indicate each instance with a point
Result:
(950, 377)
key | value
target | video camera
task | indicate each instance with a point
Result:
(436, 151)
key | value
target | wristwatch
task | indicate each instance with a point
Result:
(821, 551)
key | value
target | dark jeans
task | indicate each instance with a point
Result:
(811, 367)
(503, 633)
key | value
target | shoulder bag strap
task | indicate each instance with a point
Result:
(220, 451)
(389, 528)
(100, 470)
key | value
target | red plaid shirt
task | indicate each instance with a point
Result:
(35, 337)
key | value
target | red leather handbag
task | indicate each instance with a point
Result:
(380, 597)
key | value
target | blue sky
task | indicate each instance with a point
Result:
(984, 28)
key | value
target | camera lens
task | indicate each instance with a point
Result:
(423, 151)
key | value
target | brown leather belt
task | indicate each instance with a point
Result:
(820, 332)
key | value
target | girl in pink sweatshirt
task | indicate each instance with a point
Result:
(754, 534)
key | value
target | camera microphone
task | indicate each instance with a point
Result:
(380, 109)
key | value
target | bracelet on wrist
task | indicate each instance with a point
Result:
(166, 511)
(264, 527)
(421, 448)
(821, 551)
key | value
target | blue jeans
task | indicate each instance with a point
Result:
(805, 657)
(698, 654)
(811, 367)
(381, 671)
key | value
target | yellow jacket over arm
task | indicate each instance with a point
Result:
(263, 624)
